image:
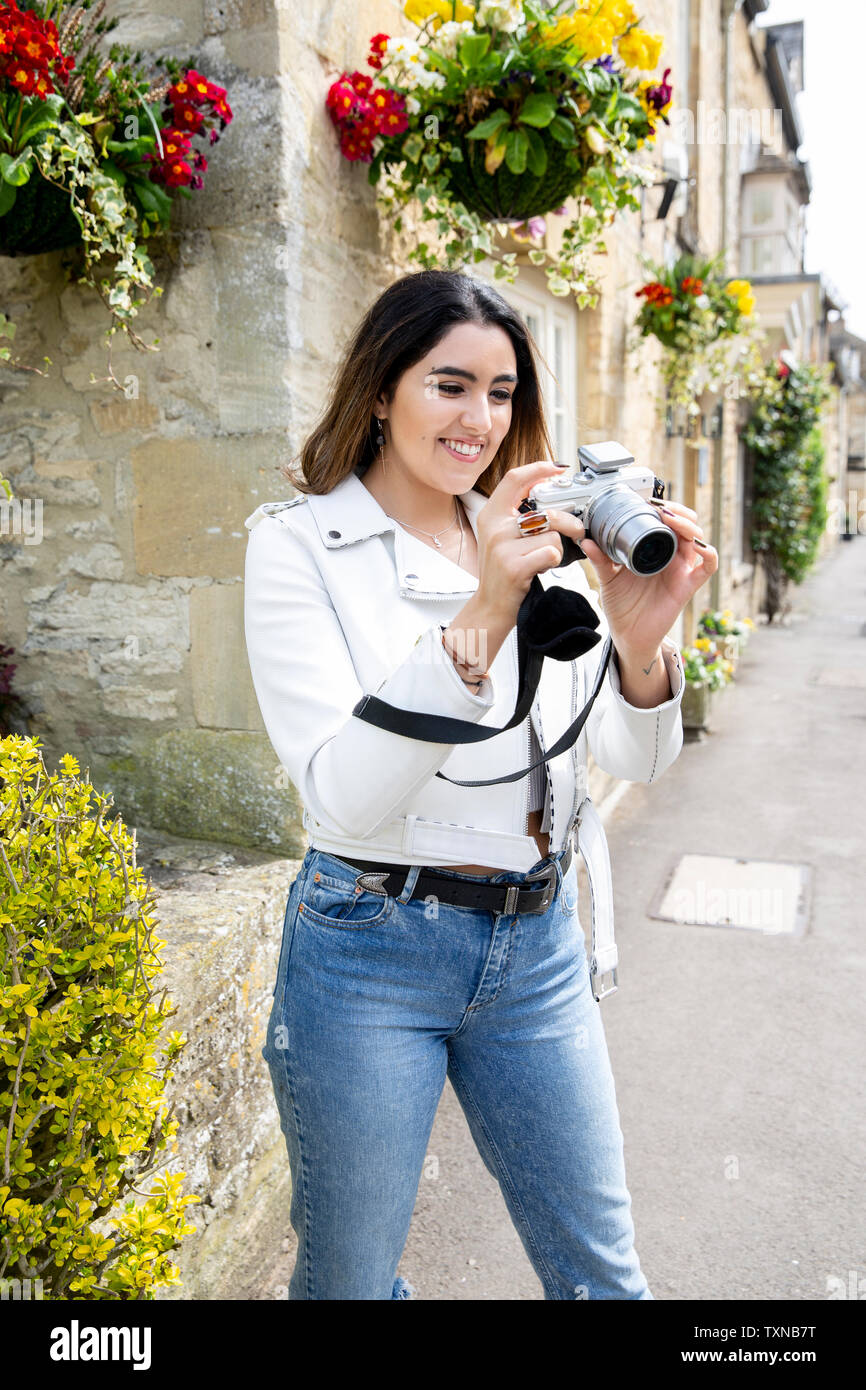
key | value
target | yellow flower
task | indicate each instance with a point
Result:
(727, 613)
(639, 49)
(419, 11)
(736, 288)
(746, 303)
(593, 35)
(702, 643)
(619, 13)
(557, 33)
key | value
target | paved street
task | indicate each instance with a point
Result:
(738, 1056)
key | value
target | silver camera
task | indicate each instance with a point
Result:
(610, 494)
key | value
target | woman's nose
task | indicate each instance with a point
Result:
(476, 416)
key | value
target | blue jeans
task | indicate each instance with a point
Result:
(377, 999)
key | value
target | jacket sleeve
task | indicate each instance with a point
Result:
(634, 744)
(348, 773)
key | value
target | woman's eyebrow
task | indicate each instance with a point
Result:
(470, 376)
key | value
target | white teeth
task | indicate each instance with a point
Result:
(460, 448)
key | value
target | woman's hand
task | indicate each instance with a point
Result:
(507, 560)
(641, 609)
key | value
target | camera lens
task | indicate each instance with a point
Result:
(652, 552)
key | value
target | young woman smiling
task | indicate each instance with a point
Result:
(404, 959)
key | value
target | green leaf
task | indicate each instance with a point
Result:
(472, 48)
(489, 126)
(16, 171)
(536, 156)
(516, 150)
(431, 161)
(538, 109)
(8, 194)
(563, 131)
(412, 146)
(154, 200)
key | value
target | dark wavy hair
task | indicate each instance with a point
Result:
(407, 320)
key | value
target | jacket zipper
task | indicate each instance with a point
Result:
(526, 779)
(574, 758)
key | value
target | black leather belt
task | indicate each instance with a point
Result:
(464, 892)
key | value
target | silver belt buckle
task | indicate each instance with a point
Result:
(595, 975)
(550, 875)
(371, 882)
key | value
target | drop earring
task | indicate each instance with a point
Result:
(380, 441)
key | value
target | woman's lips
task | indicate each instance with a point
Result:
(466, 458)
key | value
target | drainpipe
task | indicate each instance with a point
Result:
(728, 16)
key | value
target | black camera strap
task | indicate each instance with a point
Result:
(551, 622)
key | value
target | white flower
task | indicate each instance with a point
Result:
(448, 35)
(500, 14)
(413, 106)
(408, 65)
(702, 301)
(427, 78)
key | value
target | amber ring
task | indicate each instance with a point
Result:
(530, 523)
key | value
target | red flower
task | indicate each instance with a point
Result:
(186, 116)
(377, 49)
(394, 122)
(656, 293)
(692, 285)
(362, 82)
(30, 53)
(177, 172)
(782, 370)
(354, 147)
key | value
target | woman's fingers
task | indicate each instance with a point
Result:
(675, 507)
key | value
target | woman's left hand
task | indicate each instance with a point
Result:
(641, 609)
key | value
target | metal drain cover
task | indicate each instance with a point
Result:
(710, 890)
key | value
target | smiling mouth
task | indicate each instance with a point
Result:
(464, 450)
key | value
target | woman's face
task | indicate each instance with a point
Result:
(450, 412)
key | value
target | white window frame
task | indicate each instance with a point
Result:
(560, 397)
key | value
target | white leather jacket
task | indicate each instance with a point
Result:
(341, 601)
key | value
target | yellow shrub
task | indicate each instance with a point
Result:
(80, 1087)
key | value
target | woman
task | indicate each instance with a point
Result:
(433, 927)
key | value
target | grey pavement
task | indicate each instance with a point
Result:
(738, 1055)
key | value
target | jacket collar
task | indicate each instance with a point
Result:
(350, 513)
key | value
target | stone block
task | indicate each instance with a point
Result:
(223, 696)
(191, 498)
(222, 785)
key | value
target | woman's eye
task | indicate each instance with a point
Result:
(450, 388)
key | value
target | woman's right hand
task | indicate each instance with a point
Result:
(507, 560)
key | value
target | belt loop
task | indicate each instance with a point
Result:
(409, 886)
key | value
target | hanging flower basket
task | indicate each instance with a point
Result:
(705, 323)
(506, 196)
(498, 113)
(92, 149)
(43, 220)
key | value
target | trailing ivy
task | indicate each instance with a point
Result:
(790, 485)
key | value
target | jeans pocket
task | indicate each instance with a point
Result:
(289, 919)
(329, 901)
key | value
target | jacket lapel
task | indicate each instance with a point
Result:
(350, 513)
